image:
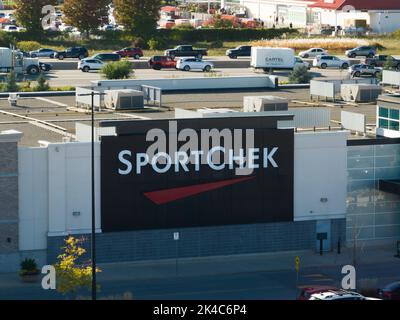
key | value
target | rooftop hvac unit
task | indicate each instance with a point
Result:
(123, 99)
(264, 103)
(360, 92)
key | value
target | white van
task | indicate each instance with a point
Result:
(270, 59)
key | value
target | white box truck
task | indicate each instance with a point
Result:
(14, 60)
(270, 59)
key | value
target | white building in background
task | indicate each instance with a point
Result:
(279, 12)
(381, 16)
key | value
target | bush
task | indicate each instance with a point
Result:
(28, 45)
(117, 70)
(216, 34)
(216, 44)
(11, 84)
(396, 34)
(156, 44)
(184, 26)
(140, 43)
(6, 38)
(29, 267)
(42, 84)
(300, 74)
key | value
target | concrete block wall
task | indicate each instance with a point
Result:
(201, 242)
(8, 193)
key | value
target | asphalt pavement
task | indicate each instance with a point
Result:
(79, 78)
(270, 276)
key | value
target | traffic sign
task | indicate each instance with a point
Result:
(297, 261)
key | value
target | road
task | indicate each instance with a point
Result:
(268, 285)
(78, 78)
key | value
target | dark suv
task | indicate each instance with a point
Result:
(363, 51)
(74, 52)
(241, 51)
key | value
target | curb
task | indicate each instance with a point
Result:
(40, 94)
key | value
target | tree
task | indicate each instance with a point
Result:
(86, 15)
(71, 276)
(42, 84)
(28, 13)
(300, 74)
(11, 84)
(138, 16)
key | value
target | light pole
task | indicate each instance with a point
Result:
(93, 235)
(93, 232)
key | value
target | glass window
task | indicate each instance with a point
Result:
(383, 112)
(394, 114)
(394, 125)
(383, 123)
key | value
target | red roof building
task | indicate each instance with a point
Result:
(358, 4)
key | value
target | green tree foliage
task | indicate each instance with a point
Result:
(85, 14)
(117, 70)
(389, 64)
(11, 84)
(300, 74)
(138, 16)
(29, 14)
(42, 84)
(71, 274)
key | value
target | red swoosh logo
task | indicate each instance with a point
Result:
(169, 195)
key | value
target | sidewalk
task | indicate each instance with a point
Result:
(249, 263)
(281, 261)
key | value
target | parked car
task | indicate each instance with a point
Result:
(240, 51)
(354, 31)
(186, 51)
(107, 57)
(136, 53)
(328, 31)
(161, 62)
(11, 28)
(312, 53)
(390, 292)
(88, 64)
(363, 51)
(43, 53)
(380, 61)
(45, 66)
(73, 52)
(328, 61)
(300, 62)
(306, 293)
(188, 64)
(359, 70)
(339, 295)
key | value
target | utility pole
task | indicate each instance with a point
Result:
(93, 235)
(93, 198)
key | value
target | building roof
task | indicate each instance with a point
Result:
(358, 4)
(169, 9)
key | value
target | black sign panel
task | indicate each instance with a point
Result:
(134, 196)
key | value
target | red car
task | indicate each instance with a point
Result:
(390, 292)
(160, 62)
(306, 293)
(135, 53)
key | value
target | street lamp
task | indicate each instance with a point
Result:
(93, 233)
